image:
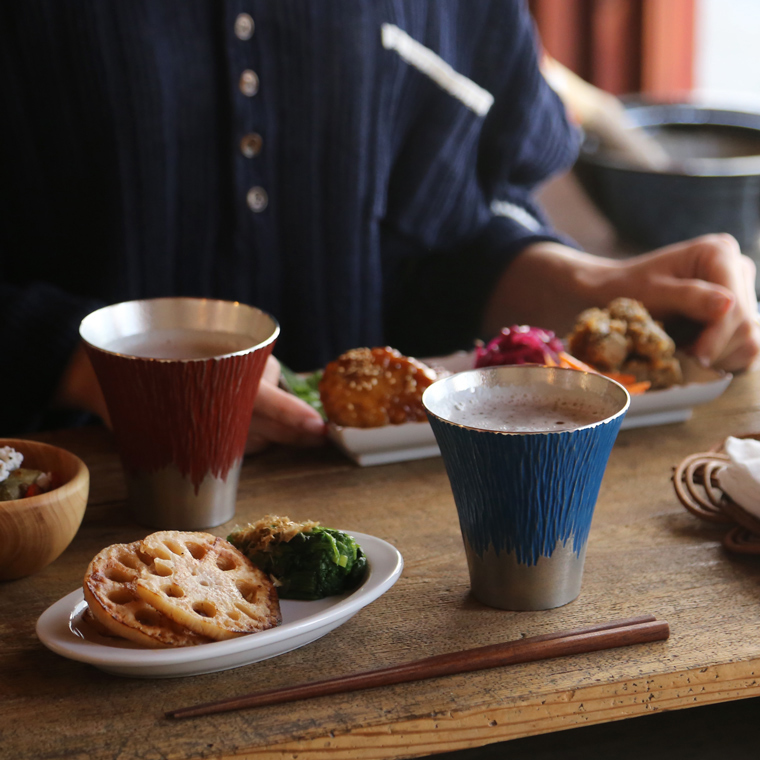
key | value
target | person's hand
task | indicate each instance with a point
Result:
(706, 280)
(79, 388)
(281, 417)
(278, 416)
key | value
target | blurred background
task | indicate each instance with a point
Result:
(703, 54)
(656, 47)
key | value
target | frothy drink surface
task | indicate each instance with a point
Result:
(524, 412)
(181, 343)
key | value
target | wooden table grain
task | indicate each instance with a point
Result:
(646, 555)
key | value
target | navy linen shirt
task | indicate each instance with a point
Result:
(360, 169)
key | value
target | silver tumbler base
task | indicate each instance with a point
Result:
(499, 580)
(166, 499)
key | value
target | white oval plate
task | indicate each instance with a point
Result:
(62, 629)
(415, 440)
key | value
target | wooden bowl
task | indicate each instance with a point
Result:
(35, 531)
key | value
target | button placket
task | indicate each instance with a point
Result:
(249, 83)
(251, 144)
(244, 27)
(256, 198)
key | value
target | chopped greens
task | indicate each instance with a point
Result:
(23, 483)
(305, 560)
(306, 387)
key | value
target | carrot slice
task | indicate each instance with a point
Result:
(636, 389)
(628, 381)
(621, 377)
(572, 363)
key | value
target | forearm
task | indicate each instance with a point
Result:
(547, 285)
(40, 328)
(79, 387)
(706, 281)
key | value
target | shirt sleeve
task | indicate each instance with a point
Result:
(40, 332)
(441, 275)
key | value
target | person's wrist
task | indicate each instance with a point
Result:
(578, 279)
(547, 285)
(597, 280)
(79, 387)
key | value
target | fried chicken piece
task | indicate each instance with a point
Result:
(661, 373)
(648, 339)
(599, 340)
(624, 337)
(374, 387)
(629, 310)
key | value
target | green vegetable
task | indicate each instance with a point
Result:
(308, 564)
(306, 387)
(18, 483)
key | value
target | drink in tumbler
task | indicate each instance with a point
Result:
(180, 376)
(525, 449)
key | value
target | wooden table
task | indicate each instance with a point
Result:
(646, 555)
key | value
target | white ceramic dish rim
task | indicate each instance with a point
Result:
(415, 440)
(55, 627)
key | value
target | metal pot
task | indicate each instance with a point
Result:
(712, 183)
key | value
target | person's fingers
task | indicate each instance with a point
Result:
(281, 417)
(277, 404)
(736, 334)
(742, 358)
(699, 279)
(713, 306)
(731, 341)
(265, 431)
(715, 258)
(739, 352)
(695, 299)
(271, 372)
(709, 281)
(750, 284)
(256, 443)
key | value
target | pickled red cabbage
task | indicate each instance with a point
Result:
(519, 344)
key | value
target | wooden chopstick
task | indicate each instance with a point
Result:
(616, 633)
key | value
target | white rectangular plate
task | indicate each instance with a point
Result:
(415, 440)
(62, 628)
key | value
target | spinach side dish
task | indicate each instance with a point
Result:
(305, 560)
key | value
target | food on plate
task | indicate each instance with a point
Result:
(519, 344)
(305, 560)
(17, 482)
(525, 344)
(374, 387)
(178, 588)
(117, 608)
(306, 387)
(600, 340)
(623, 338)
(632, 385)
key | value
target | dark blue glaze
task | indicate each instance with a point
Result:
(523, 494)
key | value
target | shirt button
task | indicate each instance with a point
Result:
(244, 27)
(257, 199)
(249, 83)
(250, 145)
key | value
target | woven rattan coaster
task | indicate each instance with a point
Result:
(696, 485)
